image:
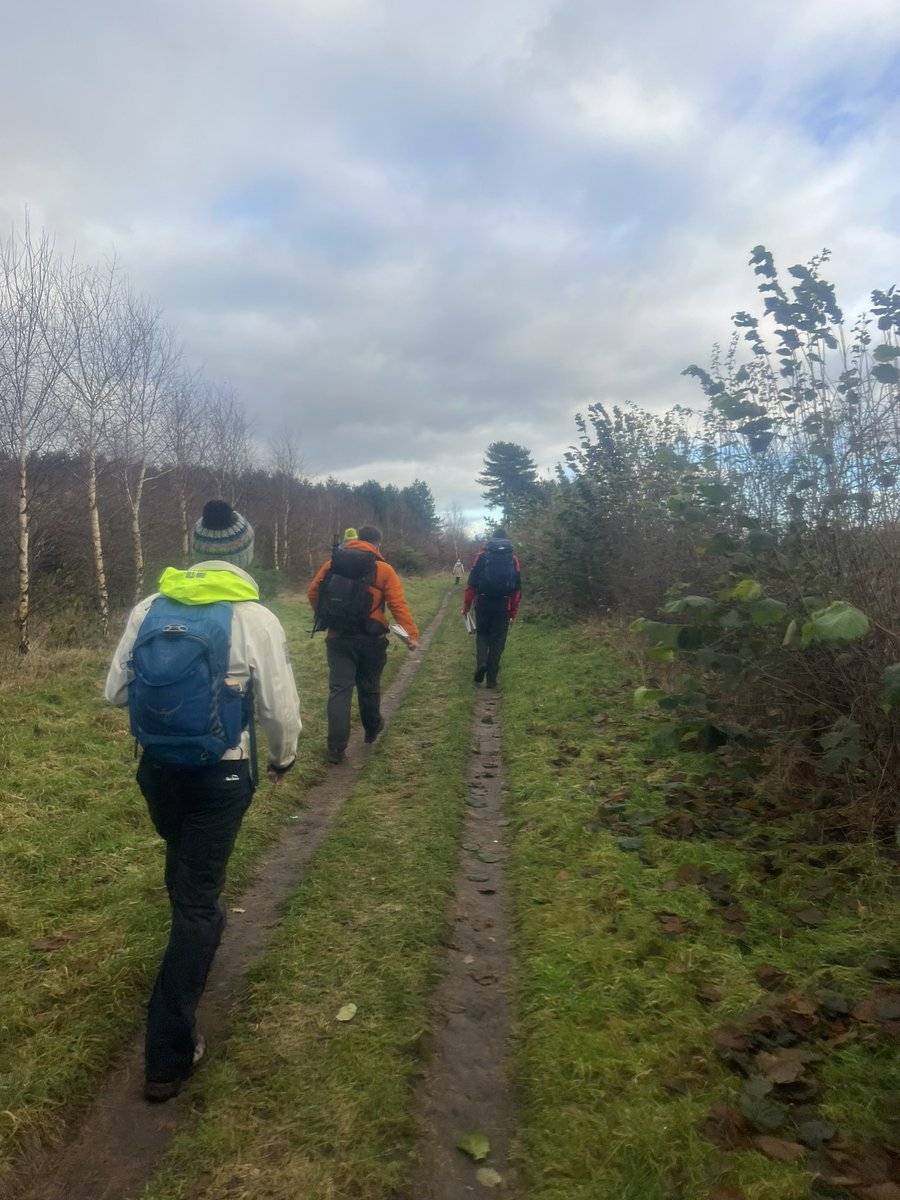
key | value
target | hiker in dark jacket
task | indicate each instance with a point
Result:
(356, 657)
(495, 588)
(198, 810)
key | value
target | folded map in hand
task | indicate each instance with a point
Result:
(402, 635)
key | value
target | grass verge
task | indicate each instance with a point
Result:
(629, 964)
(83, 912)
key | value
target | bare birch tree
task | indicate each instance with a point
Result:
(151, 355)
(29, 411)
(231, 454)
(188, 440)
(455, 530)
(94, 363)
(287, 465)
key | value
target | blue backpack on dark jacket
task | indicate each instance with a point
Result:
(184, 710)
(497, 574)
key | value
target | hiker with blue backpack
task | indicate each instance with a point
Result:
(198, 660)
(495, 588)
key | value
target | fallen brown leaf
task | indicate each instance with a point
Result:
(770, 978)
(55, 942)
(774, 1147)
(882, 1191)
(672, 923)
(727, 1128)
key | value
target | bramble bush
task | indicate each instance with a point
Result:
(786, 666)
(766, 529)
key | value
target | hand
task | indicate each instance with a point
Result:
(413, 645)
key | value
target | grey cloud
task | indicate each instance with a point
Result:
(414, 229)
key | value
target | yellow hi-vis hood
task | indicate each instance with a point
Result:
(207, 583)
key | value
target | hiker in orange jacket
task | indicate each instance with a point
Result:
(356, 656)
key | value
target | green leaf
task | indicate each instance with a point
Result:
(762, 1112)
(488, 1177)
(732, 619)
(677, 606)
(791, 634)
(645, 695)
(747, 589)
(890, 687)
(475, 1145)
(766, 611)
(657, 632)
(839, 622)
(693, 515)
(759, 540)
(720, 543)
(661, 654)
(690, 638)
(885, 353)
(886, 373)
(710, 737)
(729, 664)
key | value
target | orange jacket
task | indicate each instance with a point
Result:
(388, 588)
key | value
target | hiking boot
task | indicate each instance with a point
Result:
(492, 683)
(372, 734)
(334, 756)
(157, 1091)
(480, 673)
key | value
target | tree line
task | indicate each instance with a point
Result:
(753, 545)
(109, 444)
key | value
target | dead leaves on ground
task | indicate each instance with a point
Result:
(776, 1047)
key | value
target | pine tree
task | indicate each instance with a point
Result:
(509, 477)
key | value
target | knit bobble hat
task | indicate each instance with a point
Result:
(222, 533)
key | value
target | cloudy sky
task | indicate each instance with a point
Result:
(410, 228)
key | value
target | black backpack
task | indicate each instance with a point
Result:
(344, 603)
(497, 574)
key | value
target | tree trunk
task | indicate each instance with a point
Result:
(286, 538)
(185, 531)
(137, 544)
(24, 601)
(97, 547)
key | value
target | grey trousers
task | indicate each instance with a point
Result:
(354, 660)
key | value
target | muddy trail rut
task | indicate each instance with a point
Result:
(114, 1148)
(465, 1094)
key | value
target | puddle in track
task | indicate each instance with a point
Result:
(466, 1088)
(112, 1152)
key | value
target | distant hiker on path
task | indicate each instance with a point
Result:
(494, 586)
(195, 659)
(458, 570)
(348, 596)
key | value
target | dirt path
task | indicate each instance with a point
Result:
(466, 1089)
(115, 1148)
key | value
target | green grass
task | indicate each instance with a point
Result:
(81, 868)
(608, 1013)
(298, 1104)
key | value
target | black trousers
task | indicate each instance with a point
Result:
(491, 629)
(198, 814)
(354, 660)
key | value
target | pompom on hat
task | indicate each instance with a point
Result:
(222, 533)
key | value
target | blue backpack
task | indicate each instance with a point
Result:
(184, 710)
(497, 574)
